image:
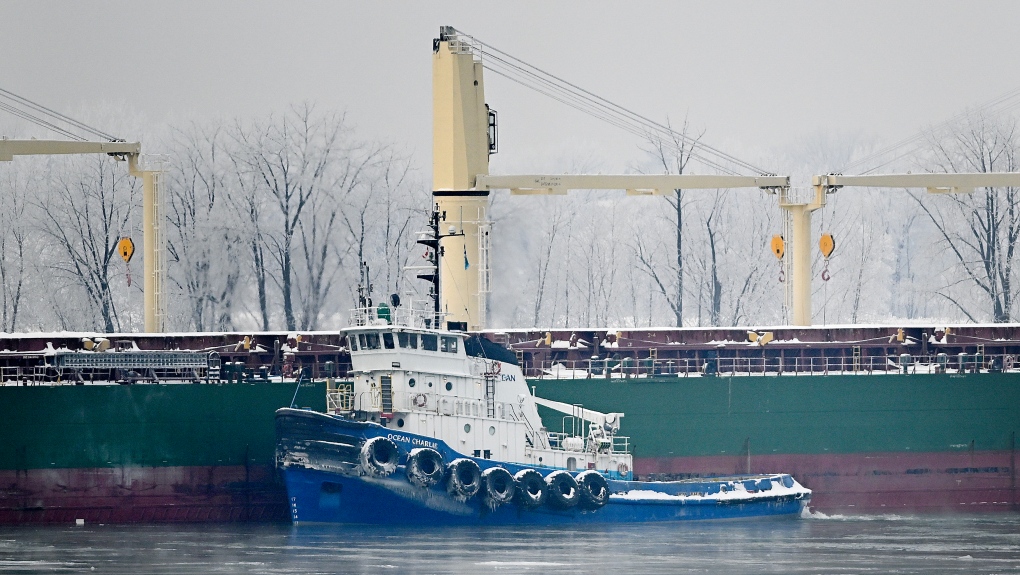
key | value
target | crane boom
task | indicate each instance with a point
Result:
(11, 148)
(596, 417)
(935, 183)
(635, 184)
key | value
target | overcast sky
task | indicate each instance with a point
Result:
(760, 78)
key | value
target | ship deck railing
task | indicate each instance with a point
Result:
(413, 313)
(770, 366)
(115, 367)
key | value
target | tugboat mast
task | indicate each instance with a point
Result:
(434, 251)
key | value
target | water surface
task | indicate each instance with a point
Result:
(817, 544)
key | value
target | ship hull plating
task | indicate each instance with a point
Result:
(322, 464)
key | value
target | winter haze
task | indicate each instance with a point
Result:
(340, 95)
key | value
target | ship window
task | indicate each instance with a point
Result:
(449, 386)
(412, 338)
(410, 382)
(467, 428)
(371, 341)
(402, 339)
(361, 340)
(429, 342)
(449, 344)
(352, 342)
(492, 430)
(388, 340)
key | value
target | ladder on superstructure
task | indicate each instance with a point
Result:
(490, 394)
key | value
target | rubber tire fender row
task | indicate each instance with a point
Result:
(500, 486)
(425, 467)
(561, 490)
(464, 478)
(379, 457)
(530, 488)
(594, 489)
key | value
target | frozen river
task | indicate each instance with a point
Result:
(818, 544)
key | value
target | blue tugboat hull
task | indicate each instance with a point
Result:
(322, 497)
(326, 484)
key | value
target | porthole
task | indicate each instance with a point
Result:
(430, 384)
(467, 428)
(400, 423)
(449, 386)
(492, 430)
(410, 382)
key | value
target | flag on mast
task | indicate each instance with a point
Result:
(466, 264)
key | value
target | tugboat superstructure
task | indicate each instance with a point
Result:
(471, 394)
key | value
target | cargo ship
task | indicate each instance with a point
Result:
(137, 427)
(870, 419)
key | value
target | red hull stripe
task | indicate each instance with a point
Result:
(919, 482)
(142, 494)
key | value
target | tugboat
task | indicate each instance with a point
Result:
(438, 427)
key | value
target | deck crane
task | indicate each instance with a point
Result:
(464, 136)
(152, 218)
(959, 183)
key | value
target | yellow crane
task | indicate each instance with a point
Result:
(152, 219)
(464, 132)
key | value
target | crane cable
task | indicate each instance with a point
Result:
(998, 105)
(614, 114)
(585, 101)
(573, 101)
(17, 105)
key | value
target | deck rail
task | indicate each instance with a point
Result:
(794, 366)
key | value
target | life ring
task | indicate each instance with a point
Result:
(499, 486)
(379, 457)
(530, 490)
(624, 469)
(561, 489)
(420, 400)
(425, 467)
(594, 489)
(465, 479)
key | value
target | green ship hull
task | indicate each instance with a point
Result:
(127, 453)
(865, 442)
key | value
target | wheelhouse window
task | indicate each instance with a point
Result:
(449, 344)
(352, 342)
(387, 339)
(407, 340)
(371, 341)
(429, 342)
